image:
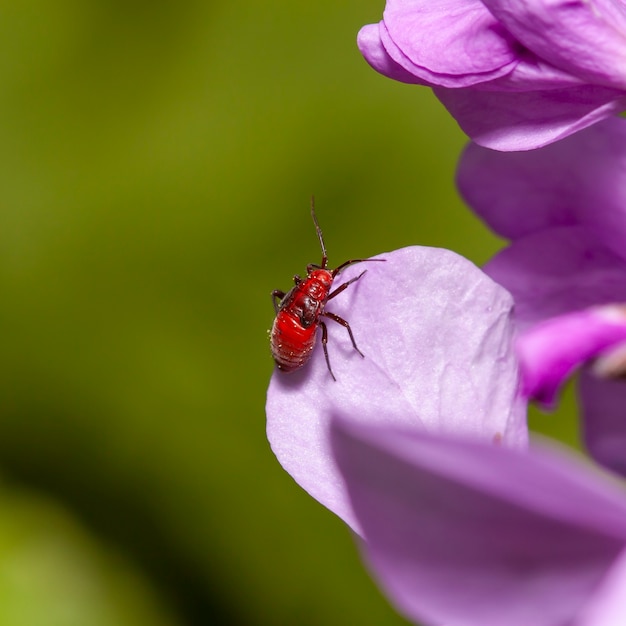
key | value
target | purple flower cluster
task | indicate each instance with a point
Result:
(564, 209)
(422, 448)
(516, 75)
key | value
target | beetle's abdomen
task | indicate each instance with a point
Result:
(291, 343)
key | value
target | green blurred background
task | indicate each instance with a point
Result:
(156, 165)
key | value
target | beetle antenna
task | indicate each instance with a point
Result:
(319, 234)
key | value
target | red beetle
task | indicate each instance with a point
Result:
(298, 312)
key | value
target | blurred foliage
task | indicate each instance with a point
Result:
(156, 164)
(52, 573)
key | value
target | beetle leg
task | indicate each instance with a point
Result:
(351, 262)
(325, 347)
(277, 293)
(345, 324)
(339, 289)
(296, 279)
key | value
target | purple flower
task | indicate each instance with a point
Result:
(564, 208)
(516, 76)
(421, 448)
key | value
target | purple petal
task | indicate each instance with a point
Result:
(513, 121)
(604, 420)
(608, 605)
(550, 351)
(581, 179)
(557, 271)
(371, 47)
(453, 43)
(436, 334)
(460, 532)
(582, 37)
(518, 193)
(532, 73)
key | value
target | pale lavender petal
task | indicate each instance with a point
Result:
(608, 605)
(581, 179)
(464, 533)
(556, 271)
(453, 43)
(550, 351)
(513, 121)
(436, 334)
(604, 420)
(585, 38)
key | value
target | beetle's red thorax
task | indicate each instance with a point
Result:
(295, 327)
(307, 299)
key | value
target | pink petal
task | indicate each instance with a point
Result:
(550, 351)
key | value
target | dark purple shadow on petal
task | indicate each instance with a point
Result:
(293, 381)
(604, 420)
(459, 532)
